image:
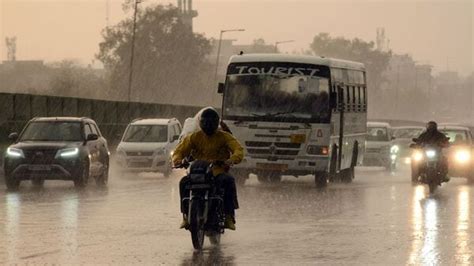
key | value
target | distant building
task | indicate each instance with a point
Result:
(187, 13)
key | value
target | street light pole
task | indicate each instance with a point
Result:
(219, 50)
(130, 74)
(280, 42)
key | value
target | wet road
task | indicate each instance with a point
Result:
(379, 219)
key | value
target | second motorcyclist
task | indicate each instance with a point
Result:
(433, 137)
(211, 144)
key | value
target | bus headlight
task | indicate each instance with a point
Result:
(417, 156)
(462, 156)
(317, 150)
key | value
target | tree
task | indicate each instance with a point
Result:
(169, 59)
(376, 62)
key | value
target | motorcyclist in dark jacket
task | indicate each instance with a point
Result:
(431, 136)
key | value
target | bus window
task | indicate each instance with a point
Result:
(348, 100)
(357, 97)
(354, 97)
(336, 75)
(364, 98)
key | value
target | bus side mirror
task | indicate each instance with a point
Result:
(220, 88)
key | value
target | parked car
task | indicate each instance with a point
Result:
(147, 145)
(378, 147)
(403, 138)
(57, 148)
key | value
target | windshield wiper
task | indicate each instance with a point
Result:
(274, 114)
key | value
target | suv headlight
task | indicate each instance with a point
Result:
(68, 153)
(15, 153)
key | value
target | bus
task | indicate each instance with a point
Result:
(296, 115)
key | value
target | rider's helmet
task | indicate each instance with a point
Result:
(209, 121)
(431, 126)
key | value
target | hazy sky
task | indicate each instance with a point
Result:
(435, 32)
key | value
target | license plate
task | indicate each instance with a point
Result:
(39, 167)
(272, 166)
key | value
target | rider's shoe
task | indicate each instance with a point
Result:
(229, 222)
(184, 224)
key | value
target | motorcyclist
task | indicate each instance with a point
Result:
(432, 136)
(211, 144)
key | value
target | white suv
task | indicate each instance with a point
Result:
(147, 145)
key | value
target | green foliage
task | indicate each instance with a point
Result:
(376, 62)
(168, 57)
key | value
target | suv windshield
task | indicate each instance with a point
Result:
(277, 92)
(377, 134)
(146, 133)
(53, 131)
(407, 133)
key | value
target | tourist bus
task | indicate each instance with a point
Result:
(296, 115)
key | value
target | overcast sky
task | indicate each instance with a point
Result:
(435, 32)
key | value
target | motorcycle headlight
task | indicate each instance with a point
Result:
(68, 153)
(462, 156)
(417, 156)
(430, 154)
(394, 149)
(15, 153)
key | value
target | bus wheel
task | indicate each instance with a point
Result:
(268, 178)
(333, 164)
(321, 179)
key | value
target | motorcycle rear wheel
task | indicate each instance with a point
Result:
(196, 226)
(433, 186)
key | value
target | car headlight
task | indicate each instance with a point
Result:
(68, 153)
(394, 149)
(417, 156)
(430, 154)
(462, 156)
(15, 153)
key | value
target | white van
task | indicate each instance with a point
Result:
(147, 145)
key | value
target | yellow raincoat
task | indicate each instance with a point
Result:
(221, 146)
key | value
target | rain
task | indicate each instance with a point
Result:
(234, 132)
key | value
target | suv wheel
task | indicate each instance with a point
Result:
(82, 178)
(12, 183)
(103, 178)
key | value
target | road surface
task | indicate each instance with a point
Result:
(380, 218)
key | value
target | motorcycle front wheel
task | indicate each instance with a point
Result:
(196, 226)
(215, 238)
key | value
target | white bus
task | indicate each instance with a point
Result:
(296, 115)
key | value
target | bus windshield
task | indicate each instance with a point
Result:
(296, 94)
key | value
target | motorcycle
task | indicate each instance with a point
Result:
(427, 165)
(205, 204)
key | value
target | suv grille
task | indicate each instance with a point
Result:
(40, 156)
